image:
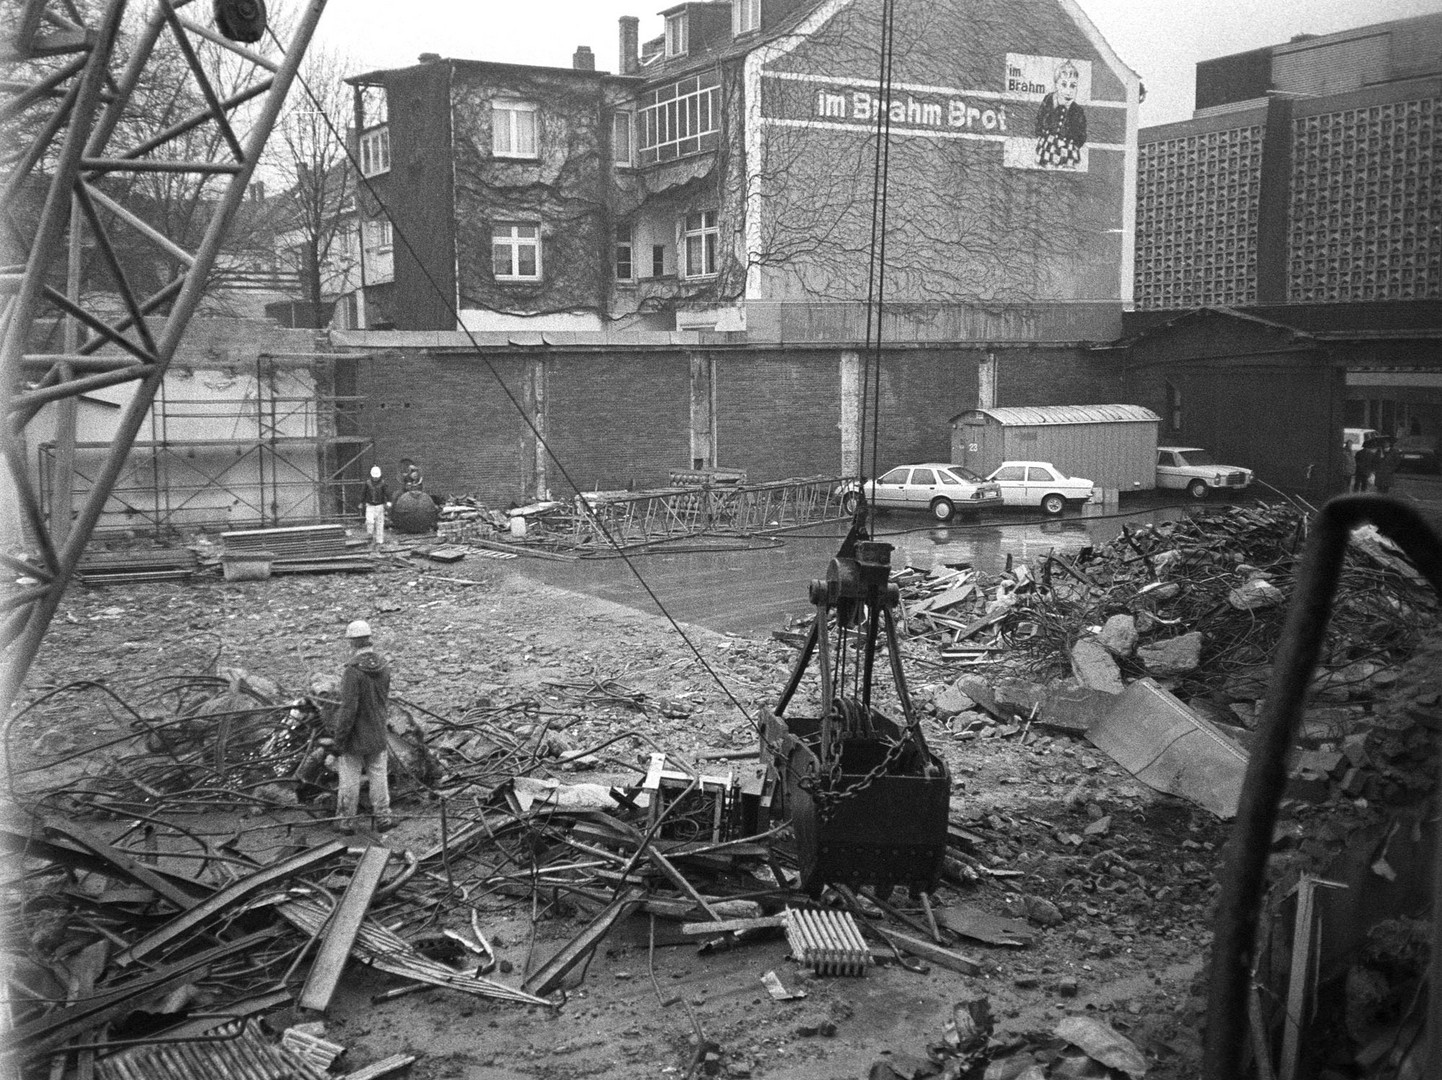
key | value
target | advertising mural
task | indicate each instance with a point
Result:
(1039, 119)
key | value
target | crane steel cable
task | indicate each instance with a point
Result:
(400, 236)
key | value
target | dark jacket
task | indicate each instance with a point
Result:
(359, 724)
(376, 493)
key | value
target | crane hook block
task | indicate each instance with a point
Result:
(240, 20)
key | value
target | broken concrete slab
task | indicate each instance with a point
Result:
(1095, 667)
(1102, 1042)
(1119, 635)
(1154, 736)
(1074, 708)
(953, 700)
(1174, 656)
(1255, 594)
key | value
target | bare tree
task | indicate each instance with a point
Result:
(317, 203)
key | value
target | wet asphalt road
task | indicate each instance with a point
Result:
(751, 592)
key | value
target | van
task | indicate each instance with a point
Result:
(1358, 436)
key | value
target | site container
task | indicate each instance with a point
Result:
(1113, 446)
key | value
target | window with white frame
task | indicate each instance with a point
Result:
(625, 260)
(680, 118)
(745, 16)
(699, 244)
(375, 152)
(513, 129)
(622, 124)
(516, 251)
(379, 234)
(676, 34)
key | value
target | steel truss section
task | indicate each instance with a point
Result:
(73, 87)
(634, 519)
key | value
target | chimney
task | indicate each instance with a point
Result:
(429, 58)
(630, 45)
(583, 59)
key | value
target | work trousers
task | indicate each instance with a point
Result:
(350, 766)
(376, 522)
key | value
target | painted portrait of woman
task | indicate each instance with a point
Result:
(1061, 123)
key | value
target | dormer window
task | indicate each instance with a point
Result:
(676, 34)
(745, 16)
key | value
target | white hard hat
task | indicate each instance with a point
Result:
(359, 628)
(375, 472)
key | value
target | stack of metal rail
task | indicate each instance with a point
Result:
(131, 567)
(300, 549)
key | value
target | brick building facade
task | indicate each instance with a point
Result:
(722, 179)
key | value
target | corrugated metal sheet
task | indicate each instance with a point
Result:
(1032, 416)
(246, 1057)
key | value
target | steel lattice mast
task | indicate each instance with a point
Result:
(72, 83)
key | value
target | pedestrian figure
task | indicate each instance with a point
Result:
(377, 501)
(410, 476)
(1387, 461)
(1366, 461)
(358, 728)
(1349, 465)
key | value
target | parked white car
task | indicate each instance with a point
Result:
(1191, 469)
(936, 487)
(1040, 483)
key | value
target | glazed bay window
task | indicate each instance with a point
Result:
(699, 243)
(516, 251)
(513, 129)
(681, 118)
(625, 261)
(375, 151)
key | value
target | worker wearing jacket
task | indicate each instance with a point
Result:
(358, 729)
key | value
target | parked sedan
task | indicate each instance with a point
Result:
(1417, 453)
(1040, 483)
(939, 489)
(1191, 469)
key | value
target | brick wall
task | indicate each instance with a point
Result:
(623, 418)
(449, 414)
(618, 420)
(779, 414)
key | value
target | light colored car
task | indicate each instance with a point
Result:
(1191, 469)
(1040, 483)
(936, 487)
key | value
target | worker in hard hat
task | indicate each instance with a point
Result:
(359, 730)
(377, 500)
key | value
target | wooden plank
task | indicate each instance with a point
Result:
(933, 953)
(679, 880)
(946, 599)
(382, 1068)
(731, 926)
(342, 928)
(122, 862)
(550, 974)
(229, 896)
(36, 1039)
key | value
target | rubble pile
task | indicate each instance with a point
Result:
(1198, 603)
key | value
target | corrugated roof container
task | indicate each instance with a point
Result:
(1113, 446)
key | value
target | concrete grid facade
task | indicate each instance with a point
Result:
(1311, 173)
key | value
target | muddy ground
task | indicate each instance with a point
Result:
(1129, 875)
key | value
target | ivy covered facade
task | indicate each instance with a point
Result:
(725, 178)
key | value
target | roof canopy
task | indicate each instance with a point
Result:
(1039, 415)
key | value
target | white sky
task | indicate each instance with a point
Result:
(1161, 39)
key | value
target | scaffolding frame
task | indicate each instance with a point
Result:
(288, 486)
(76, 80)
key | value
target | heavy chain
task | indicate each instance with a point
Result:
(826, 799)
